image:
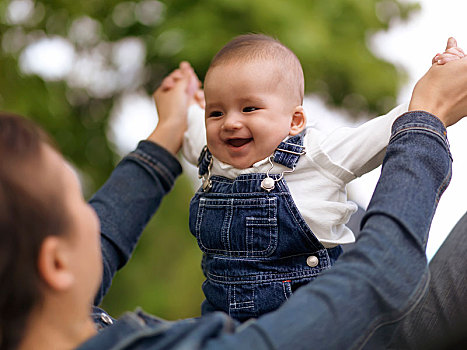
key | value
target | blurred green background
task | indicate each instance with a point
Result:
(118, 47)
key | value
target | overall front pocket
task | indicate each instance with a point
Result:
(237, 227)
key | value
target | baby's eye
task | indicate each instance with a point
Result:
(216, 114)
(250, 109)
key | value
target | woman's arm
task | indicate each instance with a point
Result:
(128, 200)
(136, 187)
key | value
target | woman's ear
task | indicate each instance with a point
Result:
(298, 122)
(53, 264)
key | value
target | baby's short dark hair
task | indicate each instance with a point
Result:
(251, 47)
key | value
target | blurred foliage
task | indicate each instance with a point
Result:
(118, 47)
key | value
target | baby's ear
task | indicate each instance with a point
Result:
(298, 122)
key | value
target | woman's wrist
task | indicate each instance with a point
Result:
(168, 135)
(442, 92)
(424, 98)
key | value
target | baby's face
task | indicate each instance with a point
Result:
(248, 111)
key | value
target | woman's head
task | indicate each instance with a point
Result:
(41, 212)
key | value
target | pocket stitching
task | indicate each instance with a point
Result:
(273, 227)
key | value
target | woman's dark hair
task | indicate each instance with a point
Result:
(27, 215)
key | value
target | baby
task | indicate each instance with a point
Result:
(271, 213)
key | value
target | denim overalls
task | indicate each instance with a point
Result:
(257, 247)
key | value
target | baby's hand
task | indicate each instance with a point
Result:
(172, 100)
(452, 53)
(175, 93)
(194, 86)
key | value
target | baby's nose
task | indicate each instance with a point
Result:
(232, 122)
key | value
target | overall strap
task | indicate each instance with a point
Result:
(288, 152)
(204, 161)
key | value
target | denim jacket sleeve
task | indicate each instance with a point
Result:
(386, 274)
(128, 200)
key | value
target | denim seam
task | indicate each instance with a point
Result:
(287, 289)
(421, 129)
(162, 170)
(229, 296)
(444, 184)
(227, 222)
(408, 128)
(247, 202)
(144, 157)
(265, 278)
(221, 182)
(199, 218)
(241, 180)
(242, 304)
(220, 204)
(250, 227)
(265, 259)
(216, 180)
(412, 303)
(246, 252)
(299, 224)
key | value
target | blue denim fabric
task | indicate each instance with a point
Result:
(439, 321)
(140, 331)
(255, 242)
(376, 283)
(128, 200)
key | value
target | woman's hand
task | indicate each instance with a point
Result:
(442, 91)
(172, 100)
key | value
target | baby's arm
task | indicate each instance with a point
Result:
(195, 136)
(361, 149)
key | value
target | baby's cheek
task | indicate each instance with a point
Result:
(209, 137)
(215, 147)
(210, 142)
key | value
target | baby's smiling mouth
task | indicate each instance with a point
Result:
(238, 142)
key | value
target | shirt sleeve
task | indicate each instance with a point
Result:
(361, 149)
(195, 137)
